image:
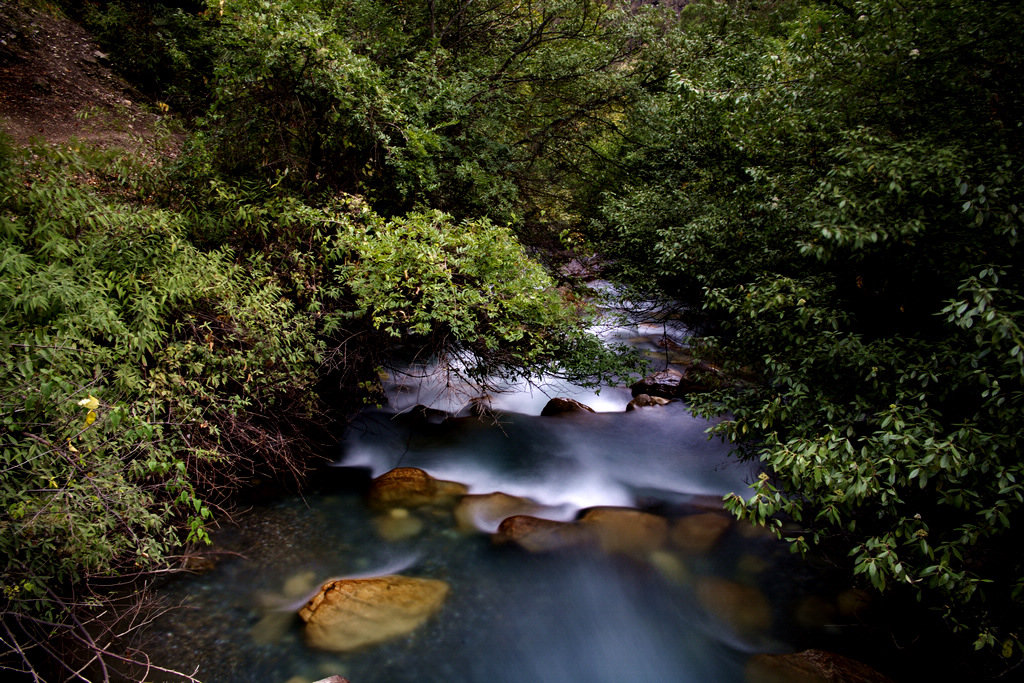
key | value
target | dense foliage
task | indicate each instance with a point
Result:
(841, 183)
(147, 374)
(835, 186)
(498, 109)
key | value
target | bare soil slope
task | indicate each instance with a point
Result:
(55, 86)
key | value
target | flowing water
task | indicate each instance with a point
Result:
(573, 615)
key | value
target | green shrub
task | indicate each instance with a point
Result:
(139, 374)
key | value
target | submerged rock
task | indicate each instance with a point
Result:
(272, 628)
(562, 405)
(486, 512)
(350, 613)
(397, 525)
(412, 487)
(699, 533)
(750, 565)
(671, 567)
(299, 584)
(744, 608)
(810, 666)
(625, 530)
(538, 535)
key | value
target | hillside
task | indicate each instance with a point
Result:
(56, 84)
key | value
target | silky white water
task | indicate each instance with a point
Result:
(567, 616)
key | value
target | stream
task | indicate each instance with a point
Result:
(678, 612)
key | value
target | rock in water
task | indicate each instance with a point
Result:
(350, 613)
(562, 405)
(613, 530)
(412, 487)
(646, 401)
(625, 530)
(397, 524)
(486, 512)
(699, 533)
(744, 608)
(664, 384)
(543, 535)
(671, 383)
(810, 666)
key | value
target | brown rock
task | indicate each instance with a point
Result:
(810, 666)
(562, 405)
(350, 613)
(699, 533)
(646, 401)
(485, 512)
(543, 535)
(412, 487)
(200, 563)
(627, 531)
(744, 608)
(664, 384)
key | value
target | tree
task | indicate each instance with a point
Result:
(843, 188)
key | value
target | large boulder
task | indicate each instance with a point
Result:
(407, 487)
(351, 613)
(625, 530)
(699, 533)
(538, 535)
(561, 405)
(810, 666)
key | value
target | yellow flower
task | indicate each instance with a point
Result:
(92, 403)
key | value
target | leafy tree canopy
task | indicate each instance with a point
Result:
(840, 184)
